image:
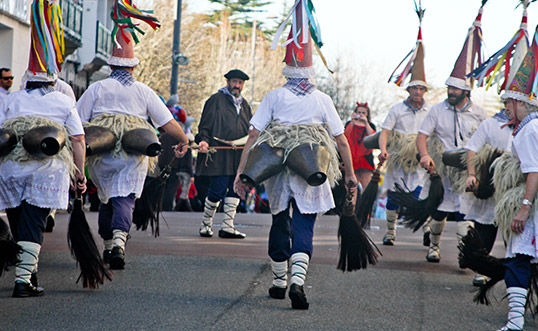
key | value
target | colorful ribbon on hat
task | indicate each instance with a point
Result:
(122, 15)
(400, 78)
(310, 22)
(497, 68)
(47, 36)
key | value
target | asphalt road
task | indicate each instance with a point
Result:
(180, 281)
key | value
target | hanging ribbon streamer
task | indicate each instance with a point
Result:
(48, 44)
(496, 70)
(400, 78)
(123, 14)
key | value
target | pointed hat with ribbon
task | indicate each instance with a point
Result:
(303, 37)
(124, 35)
(502, 66)
(470, 56)
(524, 86)
(47, 42)
(415, 63)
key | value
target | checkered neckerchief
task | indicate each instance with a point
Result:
(300, 86)
(526, 120)
(123, 76)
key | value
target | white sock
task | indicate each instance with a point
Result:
(109, 243)
(280, 273)
(299, 266)
(230, 209)
(517, 297)
(28, 261)
(462, 228)
(210, 208)
(119, 238)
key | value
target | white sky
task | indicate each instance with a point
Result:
(381, 32)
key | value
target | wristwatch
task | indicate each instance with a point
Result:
(526, 202)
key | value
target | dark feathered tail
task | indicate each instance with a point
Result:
(366, 202)
(485, 188)
(357, 250)
(415, 212)
(473, 255)
(83, 248)
(9, 250)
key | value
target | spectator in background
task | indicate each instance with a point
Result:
(5, 82)
(359, 127)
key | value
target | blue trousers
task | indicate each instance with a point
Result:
(291, 235)
(518, 271)
(116, 214)
(392, 205)
(27, 222)
(221, 187)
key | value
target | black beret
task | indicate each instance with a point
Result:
(236, 73)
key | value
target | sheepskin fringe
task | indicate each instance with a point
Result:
(403, 152)
(22, 124)
(507, 208)
(119, 124)
(288, 137)
(456, 176)
(507, 175)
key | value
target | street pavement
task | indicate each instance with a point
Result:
(180, 281)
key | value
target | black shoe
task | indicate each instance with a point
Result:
(276, 292)
(298, 298)
(107, 254)
(23, 290)
(229, 235)
(388, 242)
(117, 258)
(33, 280)
(50, 223)
(426, 239)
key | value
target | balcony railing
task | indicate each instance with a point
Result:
(72, 19)
(16, 8)
(103, 41)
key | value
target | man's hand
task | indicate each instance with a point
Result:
(471, 183)
(384, 156)
(240, 188)
(203, 147)
(427, 163)
(180, 150)
(81, 183)
(351, 182)
(518, 223)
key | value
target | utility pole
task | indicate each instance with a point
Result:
(177, 57)
(253, 60)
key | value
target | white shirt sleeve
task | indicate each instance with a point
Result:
(527, 149)
(85, 104)
(390, 120)
(336, 127)
(160, 115)
(73, 123)
(479, 138)
(262, 116)
(429, 123)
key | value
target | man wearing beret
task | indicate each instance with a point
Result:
(225, 116)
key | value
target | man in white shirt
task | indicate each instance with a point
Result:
(120, 178)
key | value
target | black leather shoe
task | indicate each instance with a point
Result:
(23, 290)
(50, 223)
(388, 242)
(107, 255)
(33, 280)
(117, 258)
(276, 292)
(298, 297)
(229, 235)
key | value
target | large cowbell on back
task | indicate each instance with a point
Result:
(311, 162)
(8, 140)
(141, 142)
(263, 162)
(99, 140)
(43, 141)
